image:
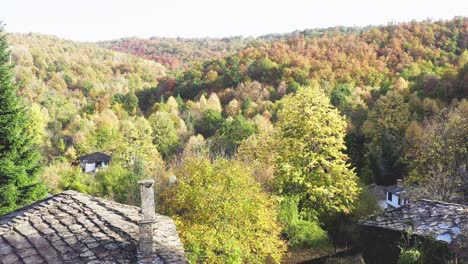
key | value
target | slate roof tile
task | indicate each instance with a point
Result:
(71, 227)
(442, 221)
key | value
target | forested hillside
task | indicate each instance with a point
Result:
(73, 86)
(419, 65)
(176, 53)
(271, 140)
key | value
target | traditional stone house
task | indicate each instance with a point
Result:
(394, 195)
(94, 161)
(72, 227)
(438, 229)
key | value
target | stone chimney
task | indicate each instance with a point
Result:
(146, 252)
(399, 183)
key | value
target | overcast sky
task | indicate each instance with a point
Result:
(92, 20)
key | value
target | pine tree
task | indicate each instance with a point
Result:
(19, 156)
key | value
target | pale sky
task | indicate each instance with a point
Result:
(93, 20)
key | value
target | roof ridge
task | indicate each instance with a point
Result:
(442, 202)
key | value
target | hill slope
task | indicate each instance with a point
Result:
(67, 76)
(175, 53)
(424, 62)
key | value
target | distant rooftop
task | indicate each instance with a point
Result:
(442, 221)
(95, 157)
(395, 189)
(72, 227)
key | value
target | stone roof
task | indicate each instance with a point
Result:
(442, 221)
(72, 227)
(95, 157)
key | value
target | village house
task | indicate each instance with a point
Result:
(438, 229)
(94, 161)
(72, 227)
(394, 195)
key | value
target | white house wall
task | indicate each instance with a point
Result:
(89, 167)
(394, 201)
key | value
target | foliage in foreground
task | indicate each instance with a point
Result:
(19, 157)
(222, 214)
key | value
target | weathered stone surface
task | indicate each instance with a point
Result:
(34, 259)
(10, 258)
(75, 228)
(441, 221)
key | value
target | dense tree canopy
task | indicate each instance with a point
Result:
(175, 53)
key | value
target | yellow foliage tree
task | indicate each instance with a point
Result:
(222, 214)
(310, 161)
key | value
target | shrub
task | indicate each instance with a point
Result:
(409, 256)
(301, 233)
(118, 183)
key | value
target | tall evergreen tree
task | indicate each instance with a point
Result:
(19, 156)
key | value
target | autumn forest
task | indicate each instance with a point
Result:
(260, 147)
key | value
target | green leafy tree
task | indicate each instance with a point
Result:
(222, 214)
(236, 130)
(130, 102)
(209, 124)
(137, 146)
(172, 105)
(231, 134)
(384, 130)
(73, 178)
(341, 97)
(310, 161)
(164, 132)
(118, 183)
(106, 135)
(19, 156)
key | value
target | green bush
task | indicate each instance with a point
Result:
(118, 183)
(74, 179)
(409, 256)
(301, 233)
